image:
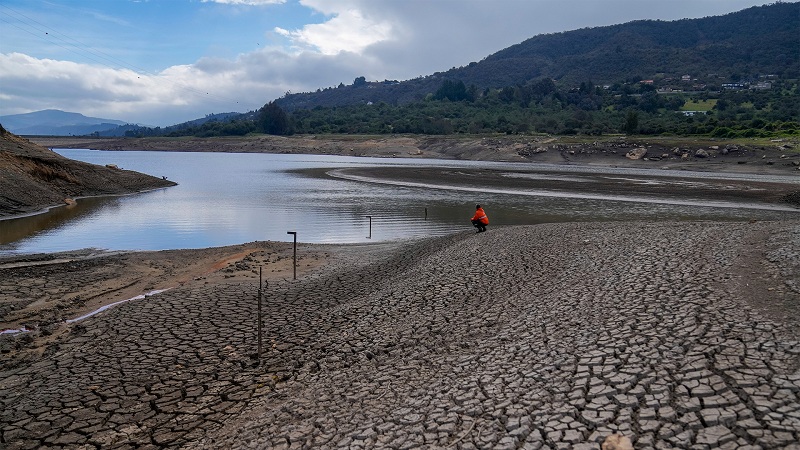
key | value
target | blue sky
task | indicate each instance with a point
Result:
(161, 62)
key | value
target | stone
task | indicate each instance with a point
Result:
(617, 442)
(637, 153)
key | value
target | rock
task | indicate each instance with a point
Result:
(637, 153)
(700, 153)
(617, 442)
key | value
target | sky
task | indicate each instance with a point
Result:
(163, 62)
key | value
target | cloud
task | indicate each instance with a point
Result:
(32, 84)
(176, 94)
(347, 31)
(378, 39)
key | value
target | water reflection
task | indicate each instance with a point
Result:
(24, 227)
(225, 199)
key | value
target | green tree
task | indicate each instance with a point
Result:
(452, 90)
(631, 122)
(273, 120)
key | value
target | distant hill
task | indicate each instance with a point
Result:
(53, 122)
(33, 178)
(762, 40)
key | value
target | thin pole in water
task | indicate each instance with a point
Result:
(370, 227)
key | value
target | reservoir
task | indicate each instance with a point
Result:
(232, 198)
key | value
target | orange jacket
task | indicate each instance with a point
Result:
(480, 216)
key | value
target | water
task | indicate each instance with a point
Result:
(225, 199)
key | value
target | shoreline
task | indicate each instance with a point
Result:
(143, 271)
(756, 157)
(565, 160)
(73, 283)
(779, 156)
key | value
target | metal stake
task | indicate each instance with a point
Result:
(370, 227)
(294, 265)
(259, 314)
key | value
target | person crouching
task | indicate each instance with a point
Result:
(480, 219)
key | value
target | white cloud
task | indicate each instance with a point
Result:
(179, 93)
(32, 84)
(349, 30)
(378, 39)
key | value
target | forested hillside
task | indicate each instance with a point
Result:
(729, 76)
(715, 50)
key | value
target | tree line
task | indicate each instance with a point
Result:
(539, 106)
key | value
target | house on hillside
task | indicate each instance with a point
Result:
(733, 86)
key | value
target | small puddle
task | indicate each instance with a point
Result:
(87, 315)
(111, 305)
(20, 330)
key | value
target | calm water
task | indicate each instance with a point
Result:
(225, 199)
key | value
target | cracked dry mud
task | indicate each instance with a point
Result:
(678, 335)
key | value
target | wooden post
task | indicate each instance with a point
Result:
(294, 264)
(370, 227)
(259, 315)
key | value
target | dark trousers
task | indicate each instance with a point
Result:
(477, 224)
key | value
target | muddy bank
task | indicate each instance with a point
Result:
(748, 156)
(41, 291)
(589, 181)
(34, 178)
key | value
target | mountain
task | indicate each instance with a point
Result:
(53, 122)
(761, 40)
